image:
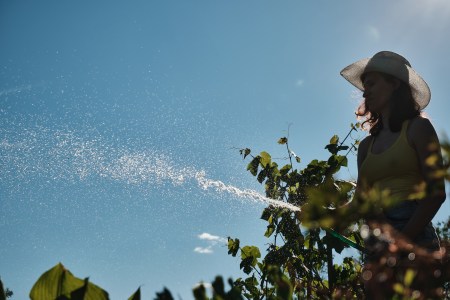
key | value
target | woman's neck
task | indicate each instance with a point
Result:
(385, 121)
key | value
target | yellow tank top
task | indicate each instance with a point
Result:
(395, 170)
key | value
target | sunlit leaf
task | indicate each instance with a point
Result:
(334, 140)
(136, 295)
(251, 252)
(270, 229)
(398, 288)
(285, 169)
(233, 246)
(265, 158)
(432, 160)
(59, 281)
(282, 140)
(409, 277)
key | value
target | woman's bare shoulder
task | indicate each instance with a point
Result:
(421, 131)
(364, 144)
(421, 127)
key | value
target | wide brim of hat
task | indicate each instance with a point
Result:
(419, 88)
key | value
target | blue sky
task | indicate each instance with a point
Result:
(109, 109)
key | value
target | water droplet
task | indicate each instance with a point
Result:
(367, 275)
(377, 232)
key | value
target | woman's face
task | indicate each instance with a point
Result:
(378, 91)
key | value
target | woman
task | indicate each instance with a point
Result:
(399, 157)
(393, 157)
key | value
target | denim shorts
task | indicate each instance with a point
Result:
(399, 215)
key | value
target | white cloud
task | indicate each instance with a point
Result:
(300, 82)
(209, 237)
(211, 240)
(374, 32)
(202, 250)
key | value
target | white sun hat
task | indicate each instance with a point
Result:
(393, 64)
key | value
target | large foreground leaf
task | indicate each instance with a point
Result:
(58, 283)
(2, 291)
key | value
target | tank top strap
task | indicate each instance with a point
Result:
(404, 129)
(369, 151)
(402, 136)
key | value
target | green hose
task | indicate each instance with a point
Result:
(346, 240)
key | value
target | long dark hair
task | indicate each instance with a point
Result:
(402, 107)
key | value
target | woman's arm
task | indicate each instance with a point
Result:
(426, 143)
(362, 153)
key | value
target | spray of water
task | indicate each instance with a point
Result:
(219, 186)
(66, 155)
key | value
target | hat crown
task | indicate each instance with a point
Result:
(392, 56)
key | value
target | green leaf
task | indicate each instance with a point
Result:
(282, 140)
(332, 148)
(200, 292)
(253, 165)
(337, 161)
(342, 160)
(251, 282)
(262, 175)
(266, 214)
(164, 295)
(251, 251)
(246, 265)
(398, 288)
(409, 277)
(136, 295)
(265, 158)
(284, 288)
(270, 230)
(219, 286)
(334, 140)
(233, 246)
(285, 169)
(59, 282)
(79, 293)
(246, 152)
(2, 291)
